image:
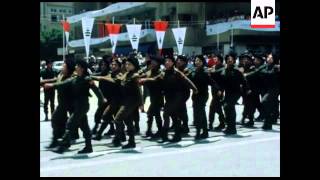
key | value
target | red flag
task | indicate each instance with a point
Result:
(101, 30)
(160, 25)
(66, 26)
(113, 28)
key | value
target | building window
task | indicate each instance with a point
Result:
(54, 18)
(70, 11)
(53, 10)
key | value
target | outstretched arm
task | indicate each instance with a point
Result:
(103, 78)
(97, 92)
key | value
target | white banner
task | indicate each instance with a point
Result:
(160, 38)
(87, 24)
(134, 31)
(179, 35)
(113, 41)
(238, 24)
(67, 38)
(113, 8)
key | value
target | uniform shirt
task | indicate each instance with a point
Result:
(80, 87)
(201, 80)
(155, 87)
(233, 81)
(48, 74)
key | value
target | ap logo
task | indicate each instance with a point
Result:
(263, 14)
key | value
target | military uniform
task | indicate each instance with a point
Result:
(156, 99)
(132, 99)
(49, 94)
(112, 92)
(172, 82)
(201, 80)
(80, 93)
(233, 84)
(216, 102)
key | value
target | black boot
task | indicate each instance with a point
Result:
(243, 120)
(185, 129)
(87, 148)
(123, 137)
(95, 128)
(148, 133)
(267, 126)
(46, 118)
(197, 137)
(137, 129)
(164, 136)
(210, 126)
(131, 143)
(97, 137)
(250, 123)
(54, 143)
(205, 134)
(116, 142)
(220, 127)
(176, 138)
(230, 131)
(156, 135)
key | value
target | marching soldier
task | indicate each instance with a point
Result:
(173, 80)
(131, 100)
(80, 86)
(270, 76)
(181, 65)
(156, 96)
(233, 83)
(217, 96)
(60, 116)
(113, 96)
(201, 80)
(103, 86)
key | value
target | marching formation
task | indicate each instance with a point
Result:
(169, 82)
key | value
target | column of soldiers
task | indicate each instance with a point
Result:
(120, 97)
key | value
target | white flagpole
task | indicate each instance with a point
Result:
(63, 39)
(112, 19)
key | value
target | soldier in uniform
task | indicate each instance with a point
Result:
(156, 95)
(233, 83)
(106, 93)
(80, 86)
(60, 116)
(217, 96)
(181, 65)
(201, 80)
(113, 96)
(173, 80)
(131, 100)
(49, 94)
(270, 76)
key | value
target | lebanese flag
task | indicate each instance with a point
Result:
(113, 30)
(66, 29)
(160, 28)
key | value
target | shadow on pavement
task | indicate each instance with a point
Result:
(78, 156)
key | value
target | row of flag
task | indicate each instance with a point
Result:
(134, 30)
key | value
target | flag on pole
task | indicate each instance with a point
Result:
(66, 29)
(113, 30)
(87, 24)
(160, 28)
(134, 31)
(179, 35)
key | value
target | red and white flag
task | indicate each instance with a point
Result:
(113, 31)
(160, 28)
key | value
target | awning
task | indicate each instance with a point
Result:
(113, 8)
